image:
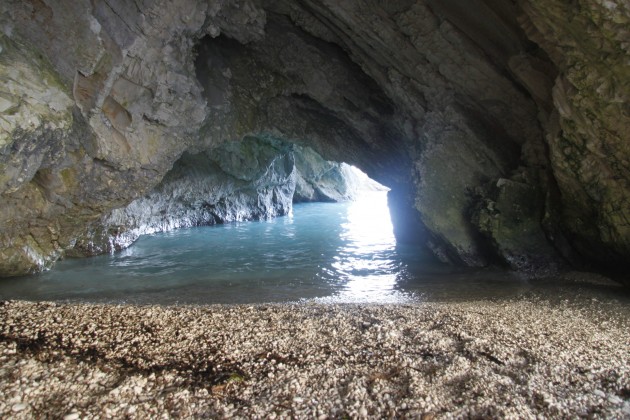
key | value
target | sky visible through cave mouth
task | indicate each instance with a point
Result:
(323, 252)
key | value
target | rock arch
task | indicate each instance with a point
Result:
(481, 116)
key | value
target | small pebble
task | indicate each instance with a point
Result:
(18, 407)
(614, 399)
(326, 367)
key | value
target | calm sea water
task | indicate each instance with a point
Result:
(328, 252)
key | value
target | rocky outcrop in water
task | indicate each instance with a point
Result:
(248, 180)
(320, 180)
(252, 179)
(500, 127)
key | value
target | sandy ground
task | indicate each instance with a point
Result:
(513, 359)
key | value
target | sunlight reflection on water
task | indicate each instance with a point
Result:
(325, 252)
(365, 260)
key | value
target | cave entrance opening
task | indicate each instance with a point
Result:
(366, 256)
(368, 224)
(324, 251)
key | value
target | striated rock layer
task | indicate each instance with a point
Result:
(500, 127)
(237, 181)
(252, 179)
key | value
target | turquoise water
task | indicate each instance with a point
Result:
(328, 252)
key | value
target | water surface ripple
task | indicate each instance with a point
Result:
(326, 252)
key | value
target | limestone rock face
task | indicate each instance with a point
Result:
(108, 100)
(588, 135)
(501, 127)
(36, 121)
(509, 217)
(247, 180)
(461, 117)
(296, 87)
(252, 179)
(320, 180)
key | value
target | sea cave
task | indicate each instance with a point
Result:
(499, 129)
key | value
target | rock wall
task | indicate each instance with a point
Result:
(457, 111)
(321, 180)
(587, 132)
(251, 179)
(247, 180)
(133, 106)
(501, 127)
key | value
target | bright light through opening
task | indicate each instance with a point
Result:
(367, 260)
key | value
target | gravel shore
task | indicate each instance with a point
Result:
(512, 359)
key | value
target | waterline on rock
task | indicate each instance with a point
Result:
(324, 252)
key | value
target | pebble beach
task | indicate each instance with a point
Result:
(521, 358)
